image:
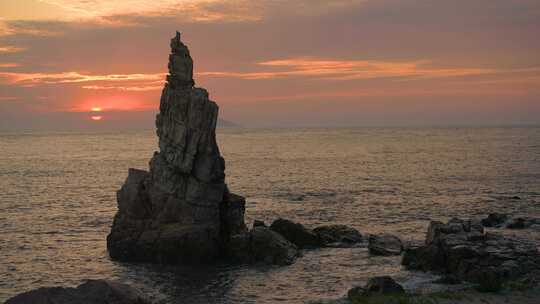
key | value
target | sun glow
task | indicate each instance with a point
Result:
(96, 109)
(96, 118)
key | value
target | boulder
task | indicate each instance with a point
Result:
(495, 220)
(272, 248)
(385, 244)
(338, 235)
(517, 223)
(90, 292)
(383, 285)
(448, 279)
(461, 248)
(262, 245)
(376, 286)
(258, 223)
(180, 211)
(522, 222)
(296, 233)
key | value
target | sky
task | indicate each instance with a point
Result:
(78, 64)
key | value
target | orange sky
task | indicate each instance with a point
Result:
(273, 62)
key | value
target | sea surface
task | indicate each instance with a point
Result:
(57, 201)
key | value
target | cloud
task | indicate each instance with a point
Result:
(125, 12)
(125, 88)
(8, 98)
(10, 49)
(349, 70)
(31, 79)
(30, 28)
(8, 65)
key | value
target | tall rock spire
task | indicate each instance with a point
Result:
(181, 209)
(180, 64)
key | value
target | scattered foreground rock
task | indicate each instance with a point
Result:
(91, 292)
(262, 245)
(258, 223)
(495, 220)
(522, 223)
(498, 220)
(296, 233)
(338, 235)
(181, 210)
(462, 248)
(385, 244)
(376, 286)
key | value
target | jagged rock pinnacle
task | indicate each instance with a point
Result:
(180, 64)
(181, 209)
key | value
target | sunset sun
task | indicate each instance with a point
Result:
(96, 110)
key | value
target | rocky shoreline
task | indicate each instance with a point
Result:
(182, 212)
(483, 264)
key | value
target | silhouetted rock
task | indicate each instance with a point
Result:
(181, 210)
(448, 279)
(296, 233)
(338, 235)
(385, 244)
(91, 292)
(376, 286)
(258, 223)
(489, 279)
(517, 223)
(262, 245)
(495, 220)
(462, 248)
(522, 222)
(383, 285)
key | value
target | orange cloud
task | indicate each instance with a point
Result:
(30, 79)
(103, 11)
(8, 65)
(8, 98)
(16, 28)
(124, 88)
(349, 70)
(10, 49)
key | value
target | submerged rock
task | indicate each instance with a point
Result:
(181, 210)
(91, 292)
(296, 233)
(463, 249)
(338, 235)
(385, 244)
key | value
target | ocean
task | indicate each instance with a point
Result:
(58, 199)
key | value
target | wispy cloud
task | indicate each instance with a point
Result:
(349, 70)
(30, 79)
(10, 49)
(31, 28)
(8, 98)
(125, 88)
(106, 12)
(8, 65)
